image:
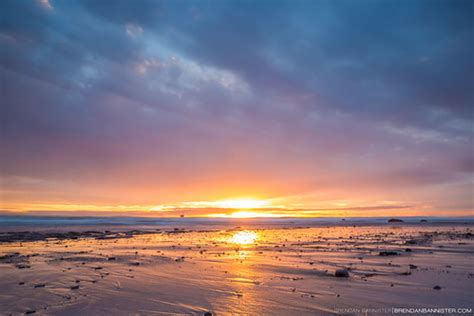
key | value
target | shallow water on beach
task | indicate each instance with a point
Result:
(241, 271)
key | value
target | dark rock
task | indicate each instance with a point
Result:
(436, 287)
(395, 220)
(39, 285)
(341, 273)
(412, 266)
(388, 253)
(207, 314)
(74, 287)
(36, 236)
(22, 266)
(408, 250)
(31, 311)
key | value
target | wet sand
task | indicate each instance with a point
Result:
(288, 271)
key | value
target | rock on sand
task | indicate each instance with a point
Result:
(341, 273)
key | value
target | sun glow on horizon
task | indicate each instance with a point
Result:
(237, 204)
(242, 203)
(250, 214)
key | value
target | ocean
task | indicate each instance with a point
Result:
(26, 222)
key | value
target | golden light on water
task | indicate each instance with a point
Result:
(246, 214)
(244, 237)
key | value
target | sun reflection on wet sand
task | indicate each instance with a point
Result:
(244, 237)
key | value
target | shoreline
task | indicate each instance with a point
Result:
(102, 232)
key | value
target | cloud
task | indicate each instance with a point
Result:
(140, 101)
(420, 135)
(133, 30)
(46, 4)
(177, 75)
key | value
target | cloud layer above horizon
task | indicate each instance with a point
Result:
(311, 104)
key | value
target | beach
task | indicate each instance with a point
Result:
(238, 267)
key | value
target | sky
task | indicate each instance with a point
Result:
(237, 108)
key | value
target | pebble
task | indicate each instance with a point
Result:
(22, 266)
(341, 273)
